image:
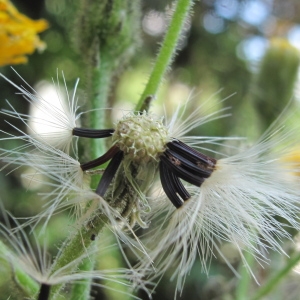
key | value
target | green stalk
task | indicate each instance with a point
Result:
(98, 88)
(99, 77)
(23, 280)
(166, 54)
(26, 283)
(276, 278)
(101, 65)
(77, 246)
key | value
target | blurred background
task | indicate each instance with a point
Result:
(246, 50)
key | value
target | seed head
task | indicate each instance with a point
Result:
(141, 137)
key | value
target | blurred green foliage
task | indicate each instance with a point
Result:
(218, 52)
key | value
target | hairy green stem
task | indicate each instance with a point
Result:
(77, 246)
(98, 88)
(99, 74)
(101, 65)
(276, 278)
(166, 53)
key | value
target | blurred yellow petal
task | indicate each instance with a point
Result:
(18, 35)
(293, 158)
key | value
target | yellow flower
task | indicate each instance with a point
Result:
(293, 158)
(18, 35)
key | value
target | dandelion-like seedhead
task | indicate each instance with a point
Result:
(52, 124)
(51, 168)
(205, 200)
(141, 137)
(241, 202)
(26, 257)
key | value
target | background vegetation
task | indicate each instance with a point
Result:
(227, 49)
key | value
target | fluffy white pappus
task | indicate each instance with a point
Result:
(120, 227)
(70, 191)
(27, 257)
(189, 116)
(47, 166)
(53, 112)
(241, 202)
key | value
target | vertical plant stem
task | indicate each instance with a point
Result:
(76, 247)
(100, 78)
(99, 74)
(166, 53)
(98, 90)
(105, 34)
